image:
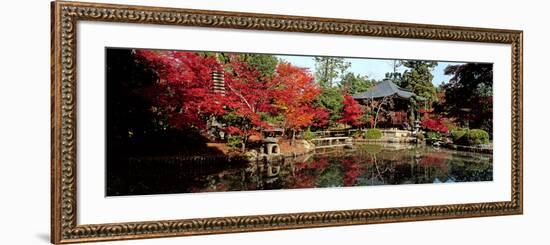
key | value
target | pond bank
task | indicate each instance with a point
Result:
(488, 150)
(299, 148)
(475, 149)
(304, 147)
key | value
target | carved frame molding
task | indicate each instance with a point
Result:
(65, 16)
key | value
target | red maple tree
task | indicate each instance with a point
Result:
(432, 122)
(182, 91)
(321, 118)
(436, 125)
(248, 95)
(352, 112)
(295, 90)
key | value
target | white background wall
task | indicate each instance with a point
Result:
(25, 108)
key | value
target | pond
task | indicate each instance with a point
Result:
(363, 165)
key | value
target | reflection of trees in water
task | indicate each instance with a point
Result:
(352, 170)
(305, 173)
(367, 165)
(471, 170)
(331, 176)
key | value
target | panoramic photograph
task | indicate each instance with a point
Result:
(184, 121)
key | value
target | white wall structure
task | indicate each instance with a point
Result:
(25, 121)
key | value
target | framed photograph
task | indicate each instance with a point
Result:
(175, 122)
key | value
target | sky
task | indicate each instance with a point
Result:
(373, 68)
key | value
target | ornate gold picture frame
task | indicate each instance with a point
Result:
(64, 107)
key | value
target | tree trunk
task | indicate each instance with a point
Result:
(243, 144)
(327, 82)
(293, 137)
(412, 117)
(378, 111)
(376, 118)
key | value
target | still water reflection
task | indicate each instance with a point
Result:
(365, 165)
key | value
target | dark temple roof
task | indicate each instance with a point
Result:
(383, 89)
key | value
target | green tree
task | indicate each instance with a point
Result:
(395, 76)
(418, 78)
(469, 94)
(354, 83)
(332, 99)
(264, 63)
(328, 69)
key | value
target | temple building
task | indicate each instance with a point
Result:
(384, 92)
(386, 88)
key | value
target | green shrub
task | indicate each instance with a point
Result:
(308, 135)
(458, 134)
(470, 137)
(433, 135)
(373, 134)
(234, 141)
(478, 137)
